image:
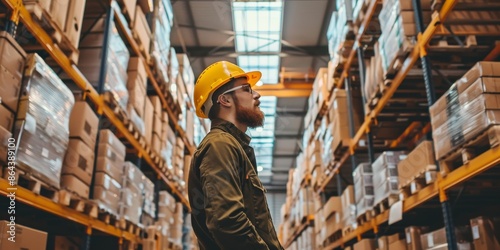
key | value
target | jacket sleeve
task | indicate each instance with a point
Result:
(223, 197)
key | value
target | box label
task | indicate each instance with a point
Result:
(408, 237)
(475, 232)
(430, 240)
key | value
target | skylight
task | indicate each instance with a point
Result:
(258, 27)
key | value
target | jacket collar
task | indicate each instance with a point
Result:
(232, 129)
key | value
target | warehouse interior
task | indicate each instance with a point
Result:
(381, 120)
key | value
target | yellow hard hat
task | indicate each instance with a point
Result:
(212, 78)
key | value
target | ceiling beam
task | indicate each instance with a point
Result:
(229, 51)
(285, 90)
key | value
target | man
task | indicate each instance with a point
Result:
(228, 202)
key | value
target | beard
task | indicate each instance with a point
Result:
(252, 117)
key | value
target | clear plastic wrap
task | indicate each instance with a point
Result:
(388, 188)
(161, 28)
(360, 191)
(460, 129)
(108, 183)
(166, 199)
(382, 176)
(136, 120)
(46, 110)
(116, 74)
(107, 200)
(133, 176)
(387, 158)
(131, 205)
(365, 204)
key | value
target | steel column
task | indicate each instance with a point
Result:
(431, 98)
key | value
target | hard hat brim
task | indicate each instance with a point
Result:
(252, 77)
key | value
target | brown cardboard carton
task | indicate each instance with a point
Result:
(141, 28)
(83, 123)
(148, 119)
(485, 233)
(12, 58)
(6, 118)
(106, 199)
(417, 161)
(156, 106)
(134, 78)
(79, 160)
(480, 86)
(137, 97)
(73, 27)
(104, 165)
(365, 244)
(413, 238)
(106, 151)
(108, 183)
(397, 245)
(156, 143)
(25, 238)
(4, 143)
(157, 123)
(136, 65)
(332, 206)
(58, 11)
(129, 8)
(480, 69)
(66, 243)
(74, 184)
(107, 137)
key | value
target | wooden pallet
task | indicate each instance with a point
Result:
(397, 62)
(44, 19)
(470, 149)
(80, 204)
(426, 175)
(108, 217)
(33, 183)
(364, 217)
(329, 239)
(130, 227)
(384, 205)
(346, 230)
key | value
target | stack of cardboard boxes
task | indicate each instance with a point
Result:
(363, 188)
(155, 119)
(339, 35)
(149, 205)
(45, 112)
(348, 208)
(78, 166)
(170, 220)
(385, 176)
(131, 199)
(136, 86)
(141, 31)
(467, 109)
(12, 60)
(397, 22)
(419, 161)
(109, 172)
(160, 46)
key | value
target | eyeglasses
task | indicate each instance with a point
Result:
(245, 87)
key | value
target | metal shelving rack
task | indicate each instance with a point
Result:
(20, 13)
(443, 182)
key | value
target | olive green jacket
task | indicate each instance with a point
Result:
(229, 207)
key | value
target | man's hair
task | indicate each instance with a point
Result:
(214, 111)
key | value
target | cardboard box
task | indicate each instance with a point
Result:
(155, 100)
(136, 77)
(4, 142)
(136, 64)
(137, 97)
(74, 21)
(452, 98)
(365, 244)
(156, 143)
(413, 238)
(107, 200)
(157, 125)
(105, 165)
(66, 243)
(58, 12)
(397, 245)
(418, 160)
(107, 137)
(83, 124)
(141, 29)
(79, 161)
(74, 184)
(485, 233)
(107, 151)
(148, 119)
(6, 118)
(12, 58)
(130, 8)
(108, 183)
(25, 238)
(333, 205)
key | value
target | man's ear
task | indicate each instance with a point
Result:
(224, 100)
